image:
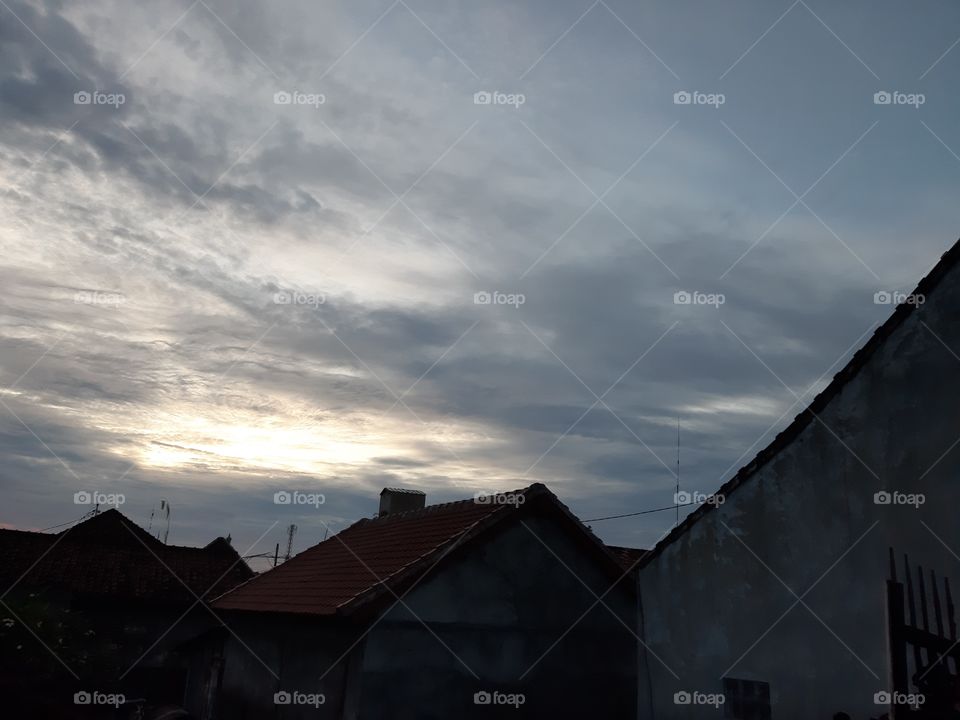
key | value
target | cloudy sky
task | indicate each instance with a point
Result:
(332, 247)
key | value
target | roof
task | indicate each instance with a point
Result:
(111, 556)
(925, 287)
(628, 557)
(375, 556)
(402, 491)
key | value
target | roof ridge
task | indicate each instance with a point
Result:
(466, 526)
(438, 507)
(857, 361)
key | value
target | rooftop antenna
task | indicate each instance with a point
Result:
(165, 511)
(291, 531)
(676, 497)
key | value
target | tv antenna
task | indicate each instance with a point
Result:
(165, 511)
(291, 531)
(676, 496)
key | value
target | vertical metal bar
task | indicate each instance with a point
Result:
(911, 604)
(896, 645)
(937, 613)
(951, 617)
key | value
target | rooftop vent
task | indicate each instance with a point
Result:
(397, 500)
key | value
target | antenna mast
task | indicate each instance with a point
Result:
(291, 531)
(676, 497)
(165, 511)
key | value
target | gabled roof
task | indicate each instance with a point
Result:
(370, 558)
(926, 286)
(628, 557)
(110, 556)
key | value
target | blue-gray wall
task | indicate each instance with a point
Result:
(716, 600)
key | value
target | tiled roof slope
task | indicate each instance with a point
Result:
(343, 572)
(628, 557)
(926, 286)
(110, 556)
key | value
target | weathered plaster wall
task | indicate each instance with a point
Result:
(302, 655)
(717, 602)
(500, 609)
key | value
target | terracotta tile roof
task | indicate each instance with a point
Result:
(925, 287)
(350, 569)
(110, 556)
(628, 557)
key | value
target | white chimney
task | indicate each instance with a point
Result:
(397, 500)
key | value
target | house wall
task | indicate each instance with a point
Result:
(716, 601)
(500, 619)
(267, 654)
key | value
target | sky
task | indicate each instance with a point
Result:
(333, 247)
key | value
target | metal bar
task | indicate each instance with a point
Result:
(937, 613)
(951, 617)
(917, 659)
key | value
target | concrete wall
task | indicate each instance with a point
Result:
(495, 615)
(713, 600)
(269, 654)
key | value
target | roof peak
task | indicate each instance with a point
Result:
(928, 283)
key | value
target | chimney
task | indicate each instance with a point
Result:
(397, 500)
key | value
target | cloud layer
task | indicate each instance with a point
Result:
(211, 293)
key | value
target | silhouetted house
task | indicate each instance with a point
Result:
(106, 599)
(508, 607)
(777, 597)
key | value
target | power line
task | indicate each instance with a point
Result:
(641, 512)
(68, 522)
